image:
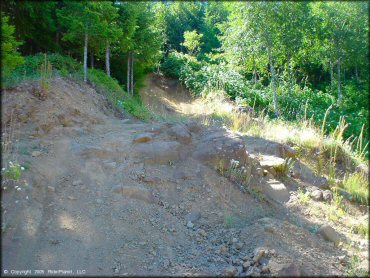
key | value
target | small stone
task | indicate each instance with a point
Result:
(75, 183)
(190, 225)
(317, 195)
(230, 271)
(223, 250)
(234, 240)
(193, 216)
(246, 265)
(269, 229)
(51, 188)
(239, 269)
(245, 258)
(71, 198)
(142, 138)
(259, 172)
(327, 195)
(36, 153)
(99, 201)
(329, 234)
(239, 245)
(258, 254)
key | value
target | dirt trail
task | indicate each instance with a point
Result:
(92, 199)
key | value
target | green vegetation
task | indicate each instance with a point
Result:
(13, 171)
(357, 185)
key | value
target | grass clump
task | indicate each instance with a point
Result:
(13, 171)
(303, 197)
(357, 185)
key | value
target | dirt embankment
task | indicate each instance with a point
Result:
(110, 196)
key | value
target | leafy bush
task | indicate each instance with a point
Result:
(175, 61)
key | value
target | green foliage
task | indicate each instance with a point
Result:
(303, 197)
(10, 58)
(13, 171)
(134, 106)
(357, 185)
(192, 41)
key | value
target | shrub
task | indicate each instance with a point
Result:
(134, 106)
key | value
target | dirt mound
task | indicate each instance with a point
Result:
(115, 196)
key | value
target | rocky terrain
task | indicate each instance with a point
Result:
(111, 195)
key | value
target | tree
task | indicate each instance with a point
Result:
(192, 41)
(80, 19)
(10, 57)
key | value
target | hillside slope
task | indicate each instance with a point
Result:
(109, 196)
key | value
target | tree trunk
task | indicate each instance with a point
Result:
(339, 92)
(128, 72)
(85, 56)
(132, 73)
(331, 76)
(107, 55)
(356, 73)
(92, 60)
(254, 71)
(277, 113)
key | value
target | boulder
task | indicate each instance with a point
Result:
(329, 234)
(317, 195)
(287, 151)
(327, 195)
(271, 163)
(275, 191)
(219, 148)
(181, 133)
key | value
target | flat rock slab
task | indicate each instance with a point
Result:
(161, 152)
(221, 147)
(276, 191)
(268, 161)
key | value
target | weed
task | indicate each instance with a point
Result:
(303, 197)
(353, 269)
(314, 229)
(357, 185)
(229, 220)
(13, 171)
(134, 106)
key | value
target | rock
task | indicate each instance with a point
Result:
(190, 224)
(51, 188)
(160, 152)
(246, 265)
(259, 172)
(36, 153)
(269, 228)
(258, 254)
(220, 147)
(317, 195)
(271, 163)
(327, 195)
(193, 216)
(234, 240)
(135, 192)
(329, 234)
(77, 182)
(322, 182)
(142, 138)
(223, 250)
(230, 271)
(99, 201)
(287, 151)
(239, 269)
(275, 190)
(181, 133)
(238, 245)
(289, 270)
